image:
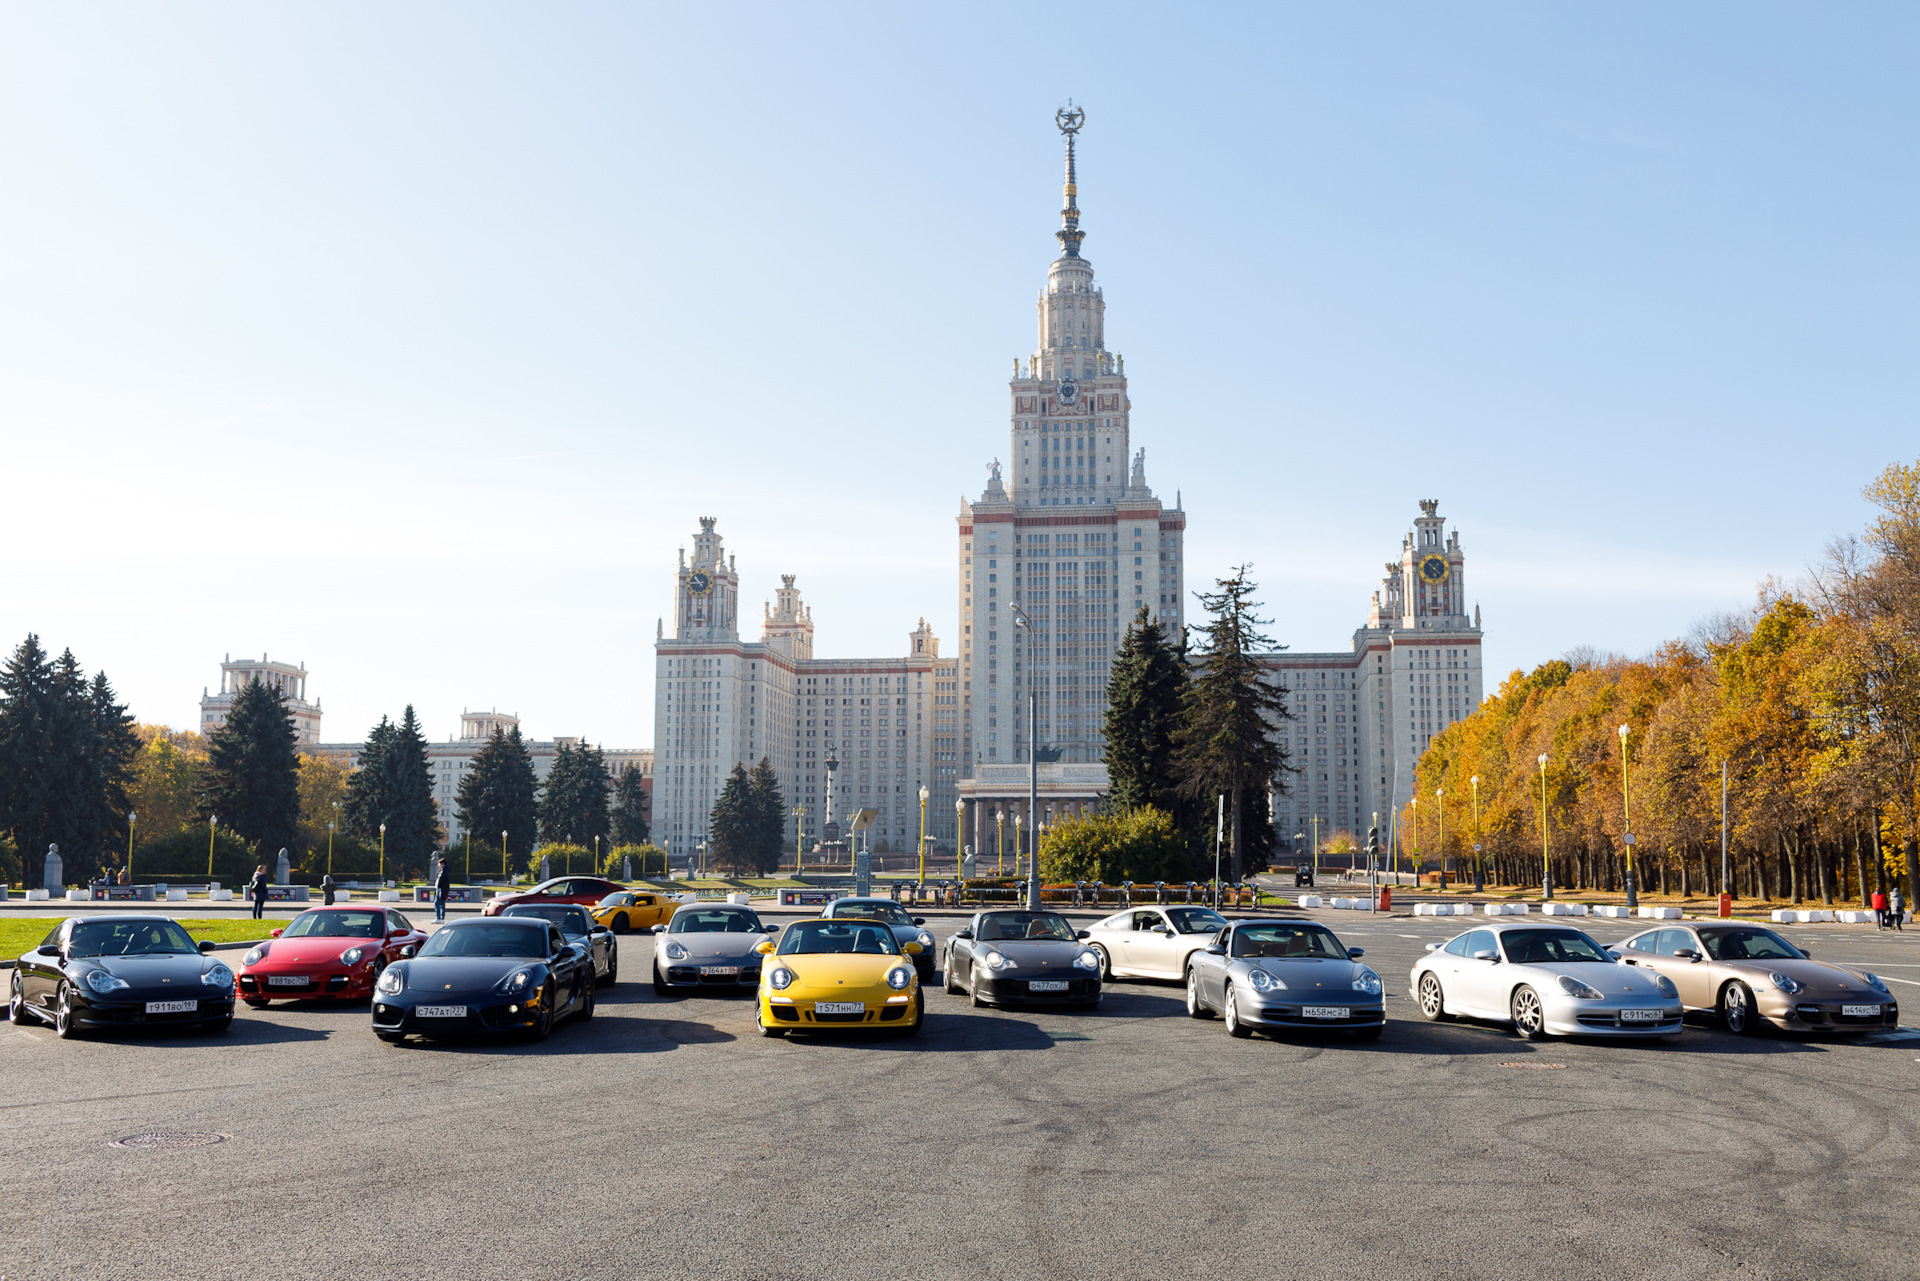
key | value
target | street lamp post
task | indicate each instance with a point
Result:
(1440, 847)
(1315, 824)
(1017, 819)
(469, 856)
(383, 853)
(923, 834)
(959, 837)
(213, 822)
(1479, 874)
(799, 839)
(999, 842)
(1033, 765)
(1546, 864)
(131, 816)
(329, 849)
(1413, 804)
(1626, 819)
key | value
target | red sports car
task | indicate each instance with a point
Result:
(587, 891)
(327, 953)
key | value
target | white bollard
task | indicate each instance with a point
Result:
(79, 896)
(176, 896)
(1495, 909)
(37, 896)
(1783, 916)
(1854, 918)
(393, 896)
(1556, 909)
(219, 896)
(1608, 910)
(738, 900)
(1309, 900)
(341, 896)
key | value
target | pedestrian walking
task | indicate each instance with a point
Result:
(1897, 910)
(1879, 909)
(442, 882)
(326, 889)
(257, 889)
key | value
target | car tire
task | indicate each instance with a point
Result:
(660, 987)
(392, 1038)
(1368, 1033)
(948, 980)
(1737, 1011)
(1196, 1008)
(974, 998)
(620, 924)
(613, 967)
(1236, 1027)
(1529, 1015)
(254, 1002)
(1432, 999)
(65, 1026)
(16, 1000)
(1106, 963)
(215, 1027)
(760, 1021)
(586, 1007)
(543, 1027)
(919, 1011)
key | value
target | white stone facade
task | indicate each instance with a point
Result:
(289, 678)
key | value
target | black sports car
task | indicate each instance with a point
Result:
(120, 971)
(490, 974)
(1030, 957)
(579, 928)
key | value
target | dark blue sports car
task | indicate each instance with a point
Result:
(121, 971)
(491, 974)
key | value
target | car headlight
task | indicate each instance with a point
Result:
(899, 977)
(998, 961)
(1263, 981)
(217, 975)
(1667, 989)
(1086, 961)
(1367, 981)
(1875, 980)
(925, 940)
(255, 956)
(780, 978)
(518, 981)
(1784, 982)
(675, 952)
(1574, 987)
(352, 955)
(103, 982)
(391, 981)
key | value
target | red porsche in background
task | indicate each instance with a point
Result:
(327, 953)
(587, 891)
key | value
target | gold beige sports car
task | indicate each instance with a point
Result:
(830, 974)
(1747, 973)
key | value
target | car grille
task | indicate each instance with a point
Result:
(1613, 1021)
(1077, 990)
(1291, 1015)
(1814, 1014)
(840, 1018)
(786, 1014)
(688, 974)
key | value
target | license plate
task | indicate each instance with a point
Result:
(725, 971)
(440, 1011)
(172, 1007)
(1324, 1012)
(1860, 1011)
(839, 1007)
(286, 980)
(1642, 1016)
(1047, 985)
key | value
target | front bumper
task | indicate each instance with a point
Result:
(1358, 1015)
(485, 1013)
(339, 985)
(1082, 987)
(1792, 1014)
(686, 974)
(892, 1010)
(124, 1012)
(1597, 1018)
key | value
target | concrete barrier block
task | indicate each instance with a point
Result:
(79, 896)
(1494, 909)
(1558, 909)
(1661, 913)
(342, 896)
(176, 896)
(391, 896)
(37, 896)
(1783, 915)
(1846, 918)
(219, 896)
(1611, 911)
(1310, 900)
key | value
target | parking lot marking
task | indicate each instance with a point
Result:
(1891, 979)
(1538, 1067)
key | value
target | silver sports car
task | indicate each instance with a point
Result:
(1545, 980)
(709, 947)
(1274, 975)
(1152, 942)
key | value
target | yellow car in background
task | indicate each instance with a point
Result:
(633, 910)
(831, 974)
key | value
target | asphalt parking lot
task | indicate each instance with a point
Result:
(666, 1139)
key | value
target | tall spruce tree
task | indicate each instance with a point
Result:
(367, 791)
(413, 823)
(573, 805)
(114, 746)
(769, 809)
(52, 788)
(630, 815)
(253, 772)
(732, 825)
(1226, 740)
(1144, 696)
(498, 795)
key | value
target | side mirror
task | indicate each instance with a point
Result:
(1163, 931)
(599, 929)
(1216, 949)
(1484, 955)
(911, 949)
(1687, 954)
(964, 932)
(1082, 934)
(407, 951)
(656, 929)
(1806, 950)
(769, 929)
(1433, 947)
(919, 920)
(765, 947)
(1356, 952)
(206, 945)
(1614, 953)
(273, 934)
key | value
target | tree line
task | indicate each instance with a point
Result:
(1808, 704)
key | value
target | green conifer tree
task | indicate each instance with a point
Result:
(573, 805)
(769, 810)
(413, 823)
(732, 825)
(41, 759)
(1144, 695)
(630, 816)
(367, 791)
(497, 795)
(253, 772)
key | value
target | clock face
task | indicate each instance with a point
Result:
(698, 583)
(1068, 390)
(1434, 569)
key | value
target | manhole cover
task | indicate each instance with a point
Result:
(1536, 1067)
(169, 1139)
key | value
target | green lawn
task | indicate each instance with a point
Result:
(21, 934)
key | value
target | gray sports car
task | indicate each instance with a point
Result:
(709, 947)
(1032, 957)
(1274, 975)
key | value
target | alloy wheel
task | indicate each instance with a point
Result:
(1106, 963)
(1234, 1026)
(1196, 1008)
(16, 1001)
(1529, 1019)
(1736, 1010)
(64, 1025)
(1433, 1002)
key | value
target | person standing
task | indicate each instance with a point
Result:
(1879, 905)
(442, 882)
(326, 889)
(257, 890)
(1897, 910)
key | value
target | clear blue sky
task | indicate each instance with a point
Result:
(411, 341)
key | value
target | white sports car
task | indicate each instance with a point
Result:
(1153, 942)
(1544, 980)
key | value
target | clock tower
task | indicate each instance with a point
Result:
(707, 600)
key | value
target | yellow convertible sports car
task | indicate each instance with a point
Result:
(632, 910)
(839, 974)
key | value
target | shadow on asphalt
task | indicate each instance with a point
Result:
(245, 1031)
(622, 1036)
(944, 1033)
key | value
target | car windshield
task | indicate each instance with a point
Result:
(891, 913)
(617, 900)
(128, 938)
(1288, 940)
(804, 938)
(494, 938)
(1552, 947)
(337, 925)
(571, 920)
(700, 920)
(1196, 920)
(1008, 927)
(1748, 945)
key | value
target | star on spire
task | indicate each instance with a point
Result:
(1069, 119)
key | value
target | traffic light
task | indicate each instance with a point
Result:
(1373, 842)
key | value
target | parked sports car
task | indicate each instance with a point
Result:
(1275, 975)
(587, 891)
(327, 953)
(485, 975)
(1747, 973)
(579, 928)
(839, 974)
(1005, 955)
(906, 929)
(1544, 980)
(634, 910)
(117, 971)
(1152, 942)
(708, 946)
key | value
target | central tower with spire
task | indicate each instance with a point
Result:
(1072, 533)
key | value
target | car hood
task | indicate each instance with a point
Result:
(1310, 976)
(462, 973)
(162, 969)
(712, 949)
(828, 972)
(1036, 954)
(284, 954)
(1820, 979)
(1608, 980)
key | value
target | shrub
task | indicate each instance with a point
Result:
(1140, 845)
(648, 860)
(12, 871)
(183, 857)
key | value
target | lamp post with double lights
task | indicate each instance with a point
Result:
(999, 842)
(1017, 846)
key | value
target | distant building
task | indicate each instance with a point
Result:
(289, 678)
